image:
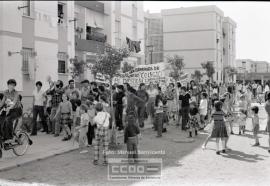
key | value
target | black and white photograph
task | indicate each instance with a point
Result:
(134, 93)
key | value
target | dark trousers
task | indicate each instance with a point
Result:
(185, 117)
(39, 110)
(8, 124)
(119, 116)
(132, 148)
(90, 134)
(141, 115)
(254, 92)
(159, 120)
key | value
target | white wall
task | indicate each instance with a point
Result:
(126, 28)
(43, 28)
(47, 61)
(10, 65)
(189, 22)
(126, 8)
(9, 10)
(189, 40)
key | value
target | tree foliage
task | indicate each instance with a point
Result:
(209, 69)
(197, 75)
(109, 63)
(77, 67)
(177, 64)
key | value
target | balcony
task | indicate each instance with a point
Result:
(89, 45)
(93, 5)
(96, 36)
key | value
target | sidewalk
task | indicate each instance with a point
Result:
(44, 146)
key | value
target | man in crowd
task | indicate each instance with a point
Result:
(119, 107)
(38, 109)
(70, 88)
(56, 99)
(13, 111)
(184, 98)
(141, 93)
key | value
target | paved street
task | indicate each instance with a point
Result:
(183, 163)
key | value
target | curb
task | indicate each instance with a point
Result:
(37, 159)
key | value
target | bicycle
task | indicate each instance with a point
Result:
(21, 138)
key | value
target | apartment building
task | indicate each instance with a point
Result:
(229, 49)
(153, 38)
(36, 40)
(198, 34)
(112, 22)
(252, 70)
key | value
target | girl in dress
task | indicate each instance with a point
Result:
(193, 123)
(243, 105)
(219, 129)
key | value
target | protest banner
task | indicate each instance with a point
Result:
(155, 73)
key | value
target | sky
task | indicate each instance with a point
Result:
(252, 18)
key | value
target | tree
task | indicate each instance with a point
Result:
(77, 68)
(108, 64)
(126, 67)
(209, 69)
(197, 75)
(177, 65)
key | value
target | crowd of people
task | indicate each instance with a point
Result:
(85, 115)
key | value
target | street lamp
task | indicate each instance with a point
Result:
(151, 49)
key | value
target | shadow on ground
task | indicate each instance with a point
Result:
(77, 169)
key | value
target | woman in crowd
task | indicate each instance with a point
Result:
(152, 92)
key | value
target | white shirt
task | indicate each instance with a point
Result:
(203, 107)
(85, 119)
(266, 89)
(102, 119)
(39, 97)
(152, 93)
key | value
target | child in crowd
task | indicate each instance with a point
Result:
(255, 123)
(81, 131)
(102, 120)
(243, 114)
(131, 139)
(203, 109)
(159, 115)
(91, 127)
(214, 98)
(77, 120)
(65, 109)
(75, 102)
(193, 123)
(104, 102)
(219, 129)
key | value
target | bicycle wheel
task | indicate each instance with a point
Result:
(23, 143)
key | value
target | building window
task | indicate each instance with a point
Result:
(61, 66)
(26, 54)
(60, 13)
(26, 9)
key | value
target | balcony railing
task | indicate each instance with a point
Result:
(89, 45)
(96, 36)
